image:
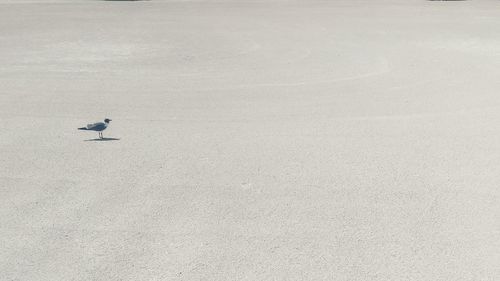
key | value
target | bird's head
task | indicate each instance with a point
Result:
(107, 120)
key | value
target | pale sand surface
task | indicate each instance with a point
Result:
(313, 140)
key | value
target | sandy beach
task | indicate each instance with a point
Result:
(251, 140)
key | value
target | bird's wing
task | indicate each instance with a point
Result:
(94, 126)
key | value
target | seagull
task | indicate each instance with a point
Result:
(99, 127)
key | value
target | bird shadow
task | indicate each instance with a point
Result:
(103, 139)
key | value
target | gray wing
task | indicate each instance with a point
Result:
(96, 126)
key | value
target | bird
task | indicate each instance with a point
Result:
(98, 127)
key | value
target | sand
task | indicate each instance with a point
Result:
(251, 140)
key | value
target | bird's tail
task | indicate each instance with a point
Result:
(83, 128)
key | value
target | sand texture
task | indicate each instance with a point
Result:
(251, 140)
